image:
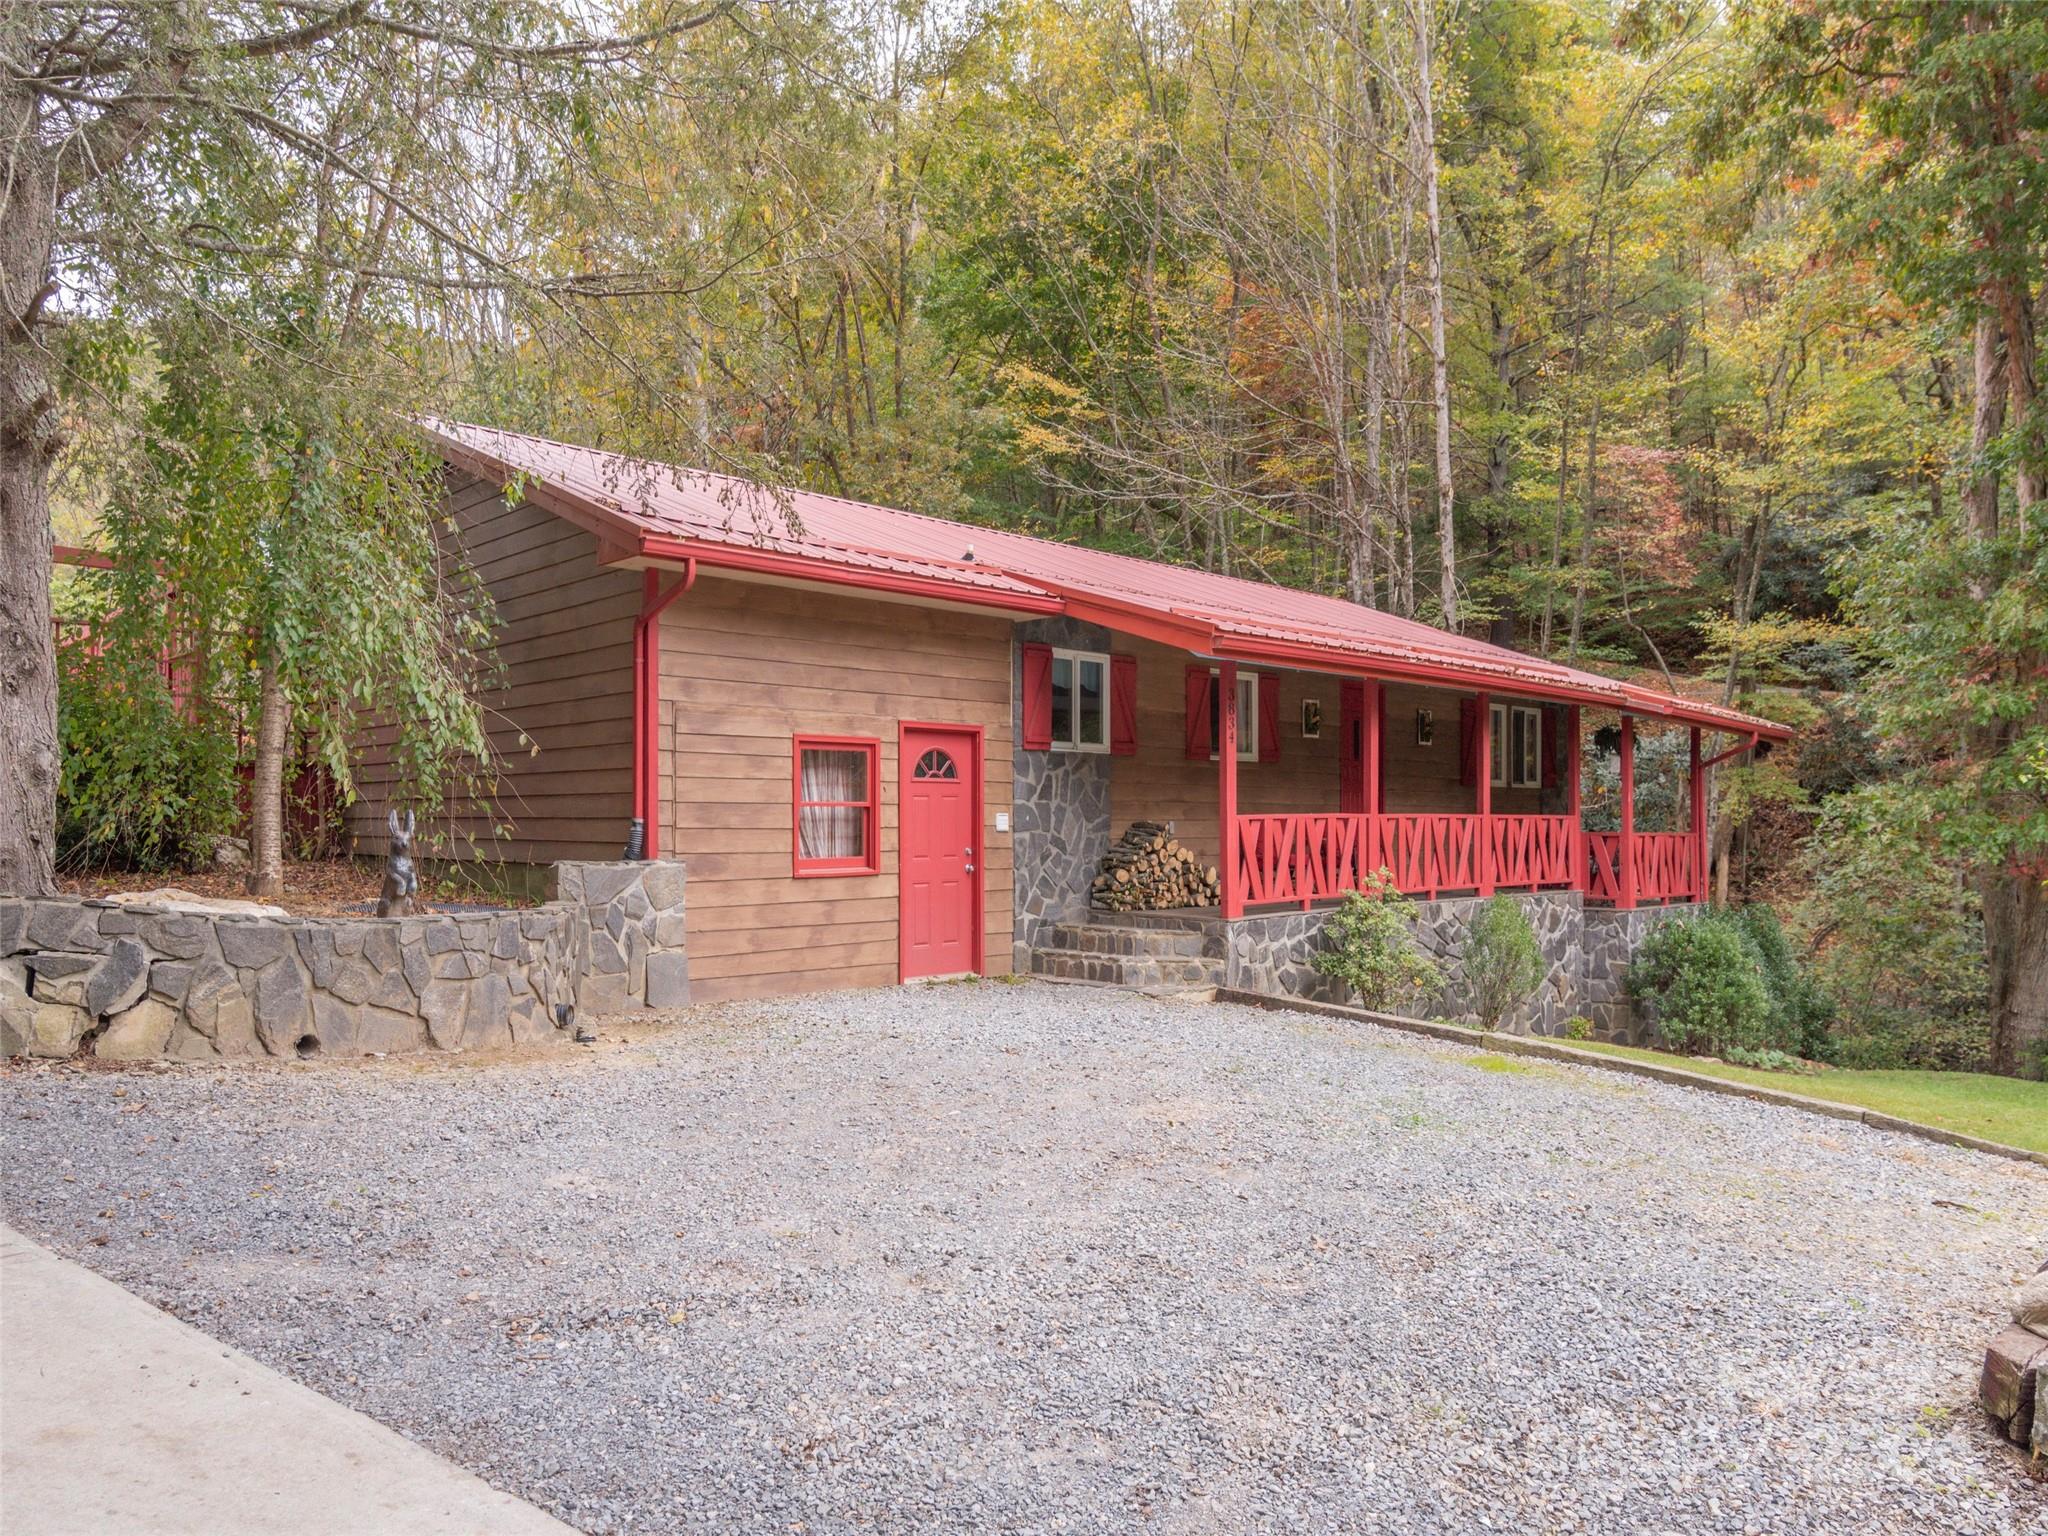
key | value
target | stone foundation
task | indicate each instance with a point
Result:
(1586, 951)
(1612, 937)
(128, 982)
(1275, 954)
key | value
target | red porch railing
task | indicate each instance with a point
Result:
(1532, 851)
(1303, 858)
(1666, 866)
(1306, 858)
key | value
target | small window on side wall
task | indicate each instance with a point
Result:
(1528, 741)
(1516, 746)
(1080, 701)
(838, 821)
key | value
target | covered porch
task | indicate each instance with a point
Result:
(1300, 784)
(1297, 858)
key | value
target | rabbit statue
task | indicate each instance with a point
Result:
(401, 880)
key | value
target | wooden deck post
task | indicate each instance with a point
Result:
(1582, 877)
(1696, 801)
(1226, 785)
(1485, 774)
(1626, 875)
(1375, 712)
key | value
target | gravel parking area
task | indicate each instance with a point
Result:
(1035, 1258)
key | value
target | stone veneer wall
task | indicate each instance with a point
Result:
(1586, 949)
(131, 982)
(1611, 940)
(1059, 803)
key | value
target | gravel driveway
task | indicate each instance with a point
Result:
(1034, 1258)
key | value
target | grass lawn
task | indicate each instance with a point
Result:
(1975, 1103)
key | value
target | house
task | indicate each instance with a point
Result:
(890, 746)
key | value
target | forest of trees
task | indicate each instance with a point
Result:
(1677, 338)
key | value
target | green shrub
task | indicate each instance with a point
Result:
(1700, 979)
(1801, 1010)
(1502, 963)
(1367, 946)
(143, 787)
(1578, 1027)
(1769, 1060)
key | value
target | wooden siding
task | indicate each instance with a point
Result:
(1419, 778)
(1161, 783)
(565, 642)
(745, 668)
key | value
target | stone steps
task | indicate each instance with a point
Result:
(1105, 939)
(1143, 973)
(1168, 954)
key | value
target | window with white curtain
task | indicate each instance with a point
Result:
(836, 820)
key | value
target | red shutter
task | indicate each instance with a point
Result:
(1547, 746)
(1123, 705)
(1037, 697)
(1269, 718)
(1198, 685)
(1468, 741)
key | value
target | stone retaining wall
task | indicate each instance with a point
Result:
(1586, 952)
(129, 982)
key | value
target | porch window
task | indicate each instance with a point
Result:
(1516, 742)
(1080, 701)
(837, 813)
(1248, 722)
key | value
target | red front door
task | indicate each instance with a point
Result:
(939, 831)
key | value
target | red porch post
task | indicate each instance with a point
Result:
(1696, 783)
(1375, 709)
(1485, 775)
(1583, 877)
(1626, 895)
(1226, 784)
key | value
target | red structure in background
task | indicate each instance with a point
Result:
(312, 797)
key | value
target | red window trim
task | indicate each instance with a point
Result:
(814, 869)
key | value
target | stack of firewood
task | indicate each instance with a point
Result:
(1147, 869)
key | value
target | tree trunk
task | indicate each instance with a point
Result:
(1592, 469)
(266, 787)
(2016, 944)
(2015, 913)
(1987, 422)
(31, 433)
(1500, 465)
(1439, 361)
(1588, 500)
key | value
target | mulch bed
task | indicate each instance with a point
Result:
(317, 888)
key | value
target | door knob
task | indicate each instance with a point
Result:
(969, 854)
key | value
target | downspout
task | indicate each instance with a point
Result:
(647, 700)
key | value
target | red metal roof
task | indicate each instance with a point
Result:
(668, 512)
